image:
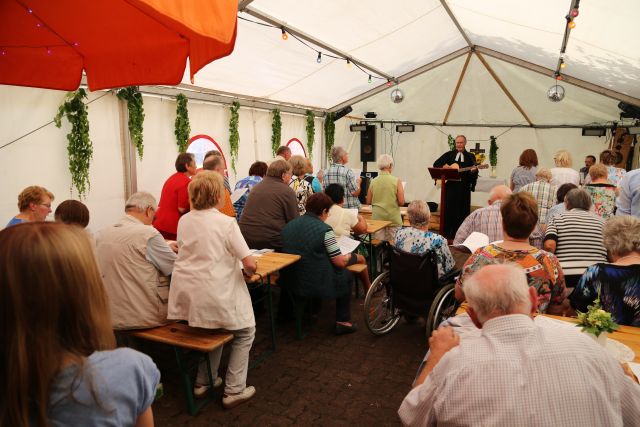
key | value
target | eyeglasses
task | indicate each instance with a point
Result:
(45, 204)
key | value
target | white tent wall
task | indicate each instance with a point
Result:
(415, 152)
(41, 158)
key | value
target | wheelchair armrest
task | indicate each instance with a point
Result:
(450, 276)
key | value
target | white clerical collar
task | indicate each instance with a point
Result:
(459, 157)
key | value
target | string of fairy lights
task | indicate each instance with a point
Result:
(556, 92)
(320, 54)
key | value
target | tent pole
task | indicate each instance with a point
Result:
(503, 87)
(456, 23)
(128, 152)
(455, 91)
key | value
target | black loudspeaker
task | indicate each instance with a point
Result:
(368, 144)
(364, 185)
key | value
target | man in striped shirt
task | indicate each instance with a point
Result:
(515, 372)
(575, 237)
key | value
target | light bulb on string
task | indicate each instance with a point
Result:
(563, 64)
(49, 51)
(389, 83)
(574, 12)
(39, 25)
(370, 78)
(348, 63)
(30, 10)
(571, 24)
(319, 59)
(3, 52)
(76, 44)
(285, 36)
(559, 77)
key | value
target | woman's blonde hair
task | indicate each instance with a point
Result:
(598, 171)
(563, 159)
(298, 165)
(53, 306)
(32, 194)
(205, 190)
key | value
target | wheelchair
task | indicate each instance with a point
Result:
(409, 286)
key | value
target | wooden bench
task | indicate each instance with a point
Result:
(183, 337)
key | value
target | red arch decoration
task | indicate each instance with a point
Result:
(202, 136)
(301, 145)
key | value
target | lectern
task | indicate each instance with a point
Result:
(444, 175)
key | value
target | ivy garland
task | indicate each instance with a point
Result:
(133, 97)
(183, 128)
(452, 142)
(493, 151)
(311, 130)
(79, 147)
(234, 136)
(329, 132)
(276, 131)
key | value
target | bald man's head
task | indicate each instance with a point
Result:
(499, 192)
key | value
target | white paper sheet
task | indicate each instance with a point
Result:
(347, 244)
(474, 241)
(235, 196)
(635, 367)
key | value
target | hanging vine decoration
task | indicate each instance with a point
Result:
(311, 130)
(452, 142)
(493, 151)
(135, 107)
(276, 131)
(183, 128)
(234, 136)
(79, 147)
(329, 132)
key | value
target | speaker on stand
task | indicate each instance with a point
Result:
(368, 144)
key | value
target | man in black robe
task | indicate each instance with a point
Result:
(458, 197)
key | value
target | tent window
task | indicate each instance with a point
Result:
(296, 147)
(199, 145)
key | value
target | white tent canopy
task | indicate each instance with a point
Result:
(510, 48)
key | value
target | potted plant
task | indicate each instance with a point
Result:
(597, 322)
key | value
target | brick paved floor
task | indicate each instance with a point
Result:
(324, 380)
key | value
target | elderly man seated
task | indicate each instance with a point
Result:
(576, 236)
(485, 220)
(34, 203)
(417, 239)
(543, 191)
(516, 372)
(135, 261)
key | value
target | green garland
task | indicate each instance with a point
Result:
(183, 129)
(493, 151)
(276, 131)
(133, 97)
(329, 132)
(311, 130)
(234, 136)
(452, 142)
(79, 147)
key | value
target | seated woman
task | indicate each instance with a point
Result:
(386, 195)
(602, 192)
(320, 273)
(59, 362)
(617, 283)
(559, 208)
(417, 239)
(207, 286)
(300, 183)
(257, 171)
(519, 218)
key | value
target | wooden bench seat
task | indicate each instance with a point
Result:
(357, 268)
(184, 338)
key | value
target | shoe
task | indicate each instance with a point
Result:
(344, 329)
(200, 390)
(232, 400)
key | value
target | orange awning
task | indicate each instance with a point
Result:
(117, 43)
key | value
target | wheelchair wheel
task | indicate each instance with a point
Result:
(379, 314)
(444, 306)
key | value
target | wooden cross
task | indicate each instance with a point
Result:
(477, 149)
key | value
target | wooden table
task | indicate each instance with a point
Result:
(268, 264)
(628, 335)
(373, 226)
(366, 212)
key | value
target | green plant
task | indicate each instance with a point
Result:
(493, 151)
(234, 136)
(135, 107)
(183, 129)
(311, 131)
(452, 142)
(276, 131)
(79, 147)
(596, 321)
(329, 132)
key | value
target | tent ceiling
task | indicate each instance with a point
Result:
(397, 40)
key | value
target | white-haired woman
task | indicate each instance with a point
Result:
(617, 284)
(417, 239)
(563, 172)
(385, 196)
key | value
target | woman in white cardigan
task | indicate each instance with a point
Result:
(207, 285)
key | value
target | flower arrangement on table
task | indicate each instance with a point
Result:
(596, 320)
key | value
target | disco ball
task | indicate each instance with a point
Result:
(397, 96)
(555, 93)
